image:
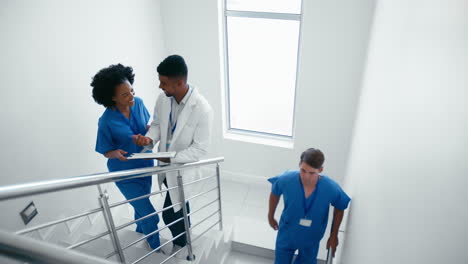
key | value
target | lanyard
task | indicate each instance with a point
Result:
(173, 126)
(127, 120)
(314, 196)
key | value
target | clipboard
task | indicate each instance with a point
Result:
(155, 155)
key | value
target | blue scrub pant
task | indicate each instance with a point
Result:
(132, 189)
(286, 245)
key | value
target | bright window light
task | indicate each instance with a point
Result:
(261, 60)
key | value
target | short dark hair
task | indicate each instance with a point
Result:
(313, 157)
(107, 79)
(173, 66)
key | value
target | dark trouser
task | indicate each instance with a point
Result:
(170, 216)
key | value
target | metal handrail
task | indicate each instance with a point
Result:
(173, 254)
(154, 232)
(203, 207)
(145, 237)
(181, 185)
(204, 219)
(26, 189)
(159, 229)
(28, 249)
(146, 216)
(28, 230)
(152, 214)
(103, 234)
(22, 190)
(141, 197)
(199, 180)
(329, 257)
(206, 230)
(200, 194)
(156, 249)
(138, 220)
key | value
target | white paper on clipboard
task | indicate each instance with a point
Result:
(155, 155)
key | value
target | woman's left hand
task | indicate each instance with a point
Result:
(116, 154)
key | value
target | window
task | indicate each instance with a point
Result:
(262, 44)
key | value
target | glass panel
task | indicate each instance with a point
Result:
(262, 56)
(275, 6)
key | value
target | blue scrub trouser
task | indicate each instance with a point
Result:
(306, 255)
(134, 188)
(288, 242)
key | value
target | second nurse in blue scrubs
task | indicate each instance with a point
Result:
(125, 115)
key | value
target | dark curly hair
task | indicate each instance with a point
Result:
(173, 66)
(105, 81)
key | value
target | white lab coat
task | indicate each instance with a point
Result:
(190, 140)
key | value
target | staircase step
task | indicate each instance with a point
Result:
(134, 253)
(127, 237)
(211, 247)
(235, 257)
(263, 243)
(263, 240)
(253, 250)
(100, 247)
(58, 232)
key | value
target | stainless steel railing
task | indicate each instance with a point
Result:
(329, 257)
(22, 190)
(30, 250)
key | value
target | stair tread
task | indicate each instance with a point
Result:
(235, 257)
(263, 244)
(206, 246)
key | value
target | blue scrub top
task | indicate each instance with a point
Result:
(327, 192)
(115, 132)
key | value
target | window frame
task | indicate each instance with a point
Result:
(247, 135)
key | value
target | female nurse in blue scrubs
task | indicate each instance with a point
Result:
(125, 115)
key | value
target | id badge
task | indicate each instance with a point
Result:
(305, 222)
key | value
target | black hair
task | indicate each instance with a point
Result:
(107, 79)
(313, 157)
(173, 67)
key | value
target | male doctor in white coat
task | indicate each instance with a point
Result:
(182, 123)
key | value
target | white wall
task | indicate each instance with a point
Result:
(49, 51)
(408, 169)
(334, 41)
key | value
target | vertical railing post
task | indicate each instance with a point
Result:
(103, 200)
(180, 183)
(329, 256)
(219, 197)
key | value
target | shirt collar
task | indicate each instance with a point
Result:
(186, 96)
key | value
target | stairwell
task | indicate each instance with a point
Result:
(246, 237)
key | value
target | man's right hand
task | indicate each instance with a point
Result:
(116, 154)
(141, 140)
(273, 223)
